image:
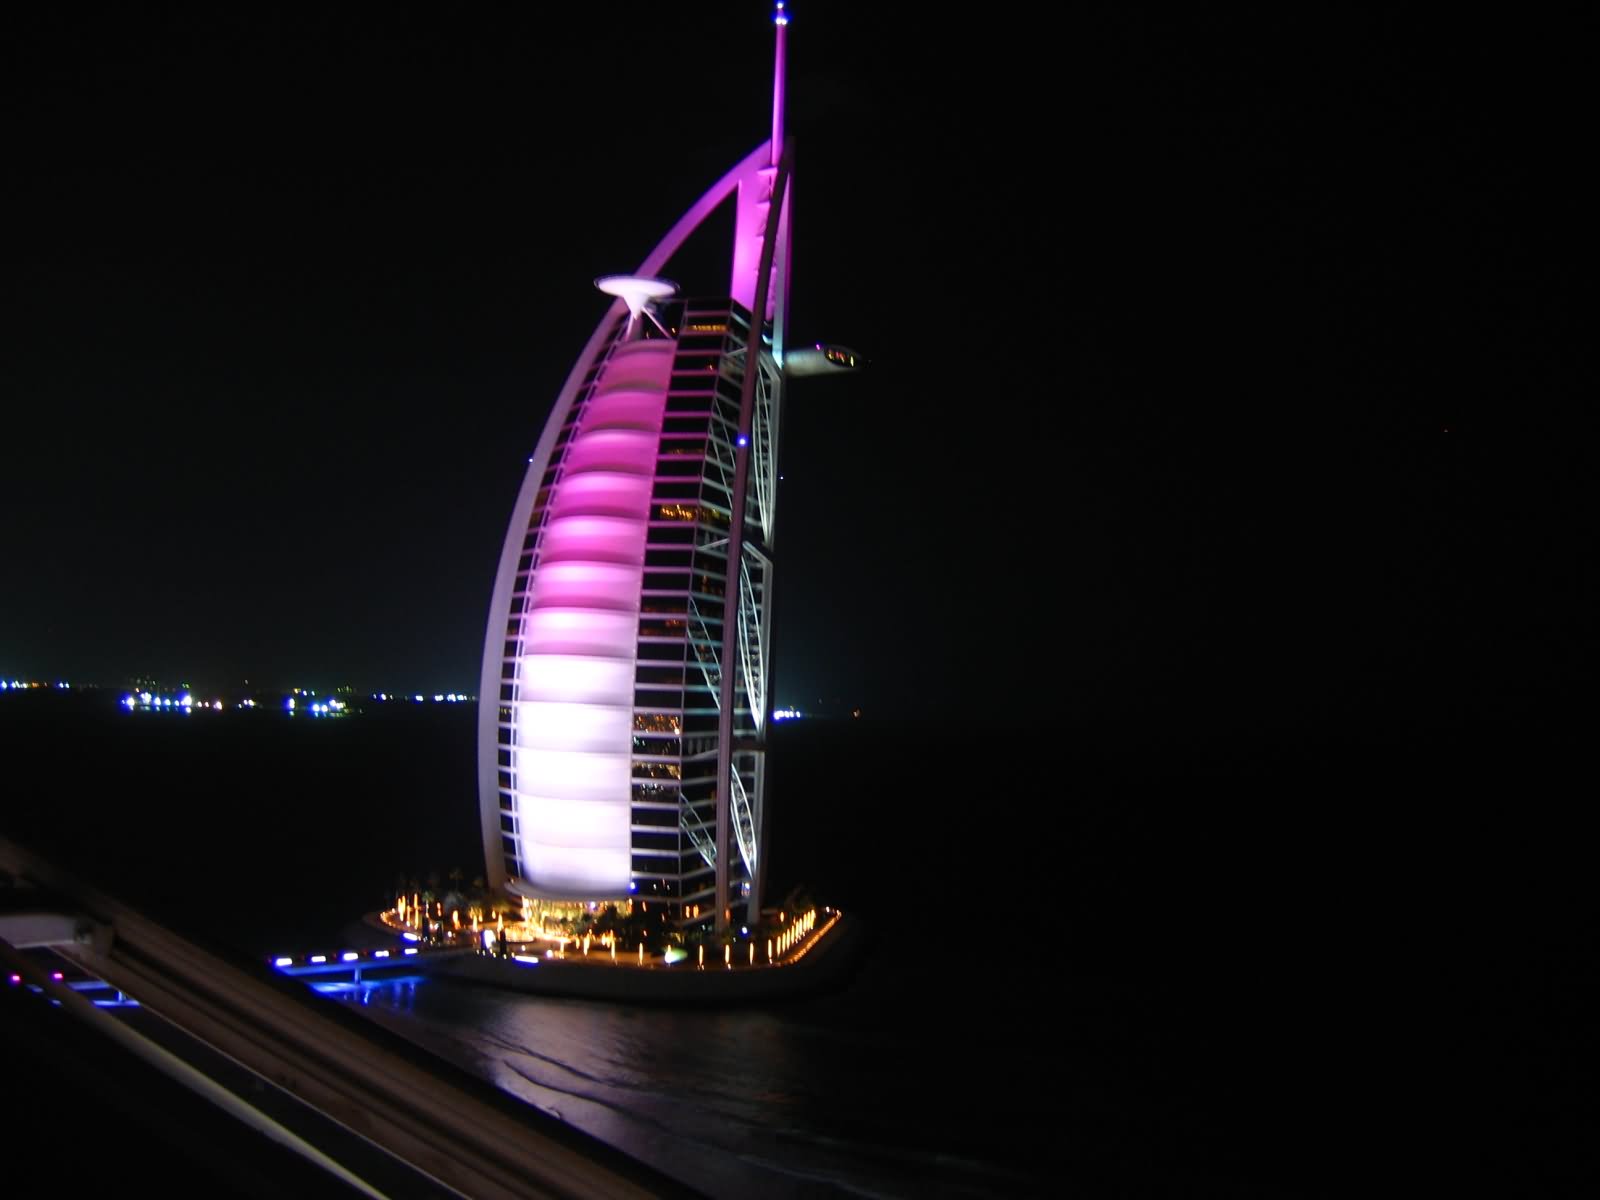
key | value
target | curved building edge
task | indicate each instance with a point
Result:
(746, 177)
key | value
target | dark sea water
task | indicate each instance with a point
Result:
(1128, 964)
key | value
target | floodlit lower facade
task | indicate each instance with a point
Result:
(624, 698)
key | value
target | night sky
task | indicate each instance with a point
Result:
(1220, 369)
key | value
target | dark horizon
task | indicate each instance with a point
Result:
(1216, 366)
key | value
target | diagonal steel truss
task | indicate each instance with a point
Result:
(703, 839)
(744, 823)
(753, 632)
(764, 444)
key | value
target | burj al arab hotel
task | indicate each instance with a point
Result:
(623, 708)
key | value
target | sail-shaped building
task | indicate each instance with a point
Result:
(624, 697)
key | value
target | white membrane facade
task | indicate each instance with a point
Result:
(573, 714)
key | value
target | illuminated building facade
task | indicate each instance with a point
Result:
(623, 705)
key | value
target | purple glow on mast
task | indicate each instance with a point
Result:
(755, 190)
(781, 20)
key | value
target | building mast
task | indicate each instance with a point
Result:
(780, 19)
(768, 203)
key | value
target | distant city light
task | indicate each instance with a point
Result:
(786, 714)
(418, 699)
(289, 704)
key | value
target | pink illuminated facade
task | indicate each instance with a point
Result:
(624, 700)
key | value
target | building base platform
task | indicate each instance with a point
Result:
(828, 963)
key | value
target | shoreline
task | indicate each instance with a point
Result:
(824, 963)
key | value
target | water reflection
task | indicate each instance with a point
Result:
(728, 1101)
(398, 993)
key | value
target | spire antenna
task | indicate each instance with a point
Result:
(780, 18)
